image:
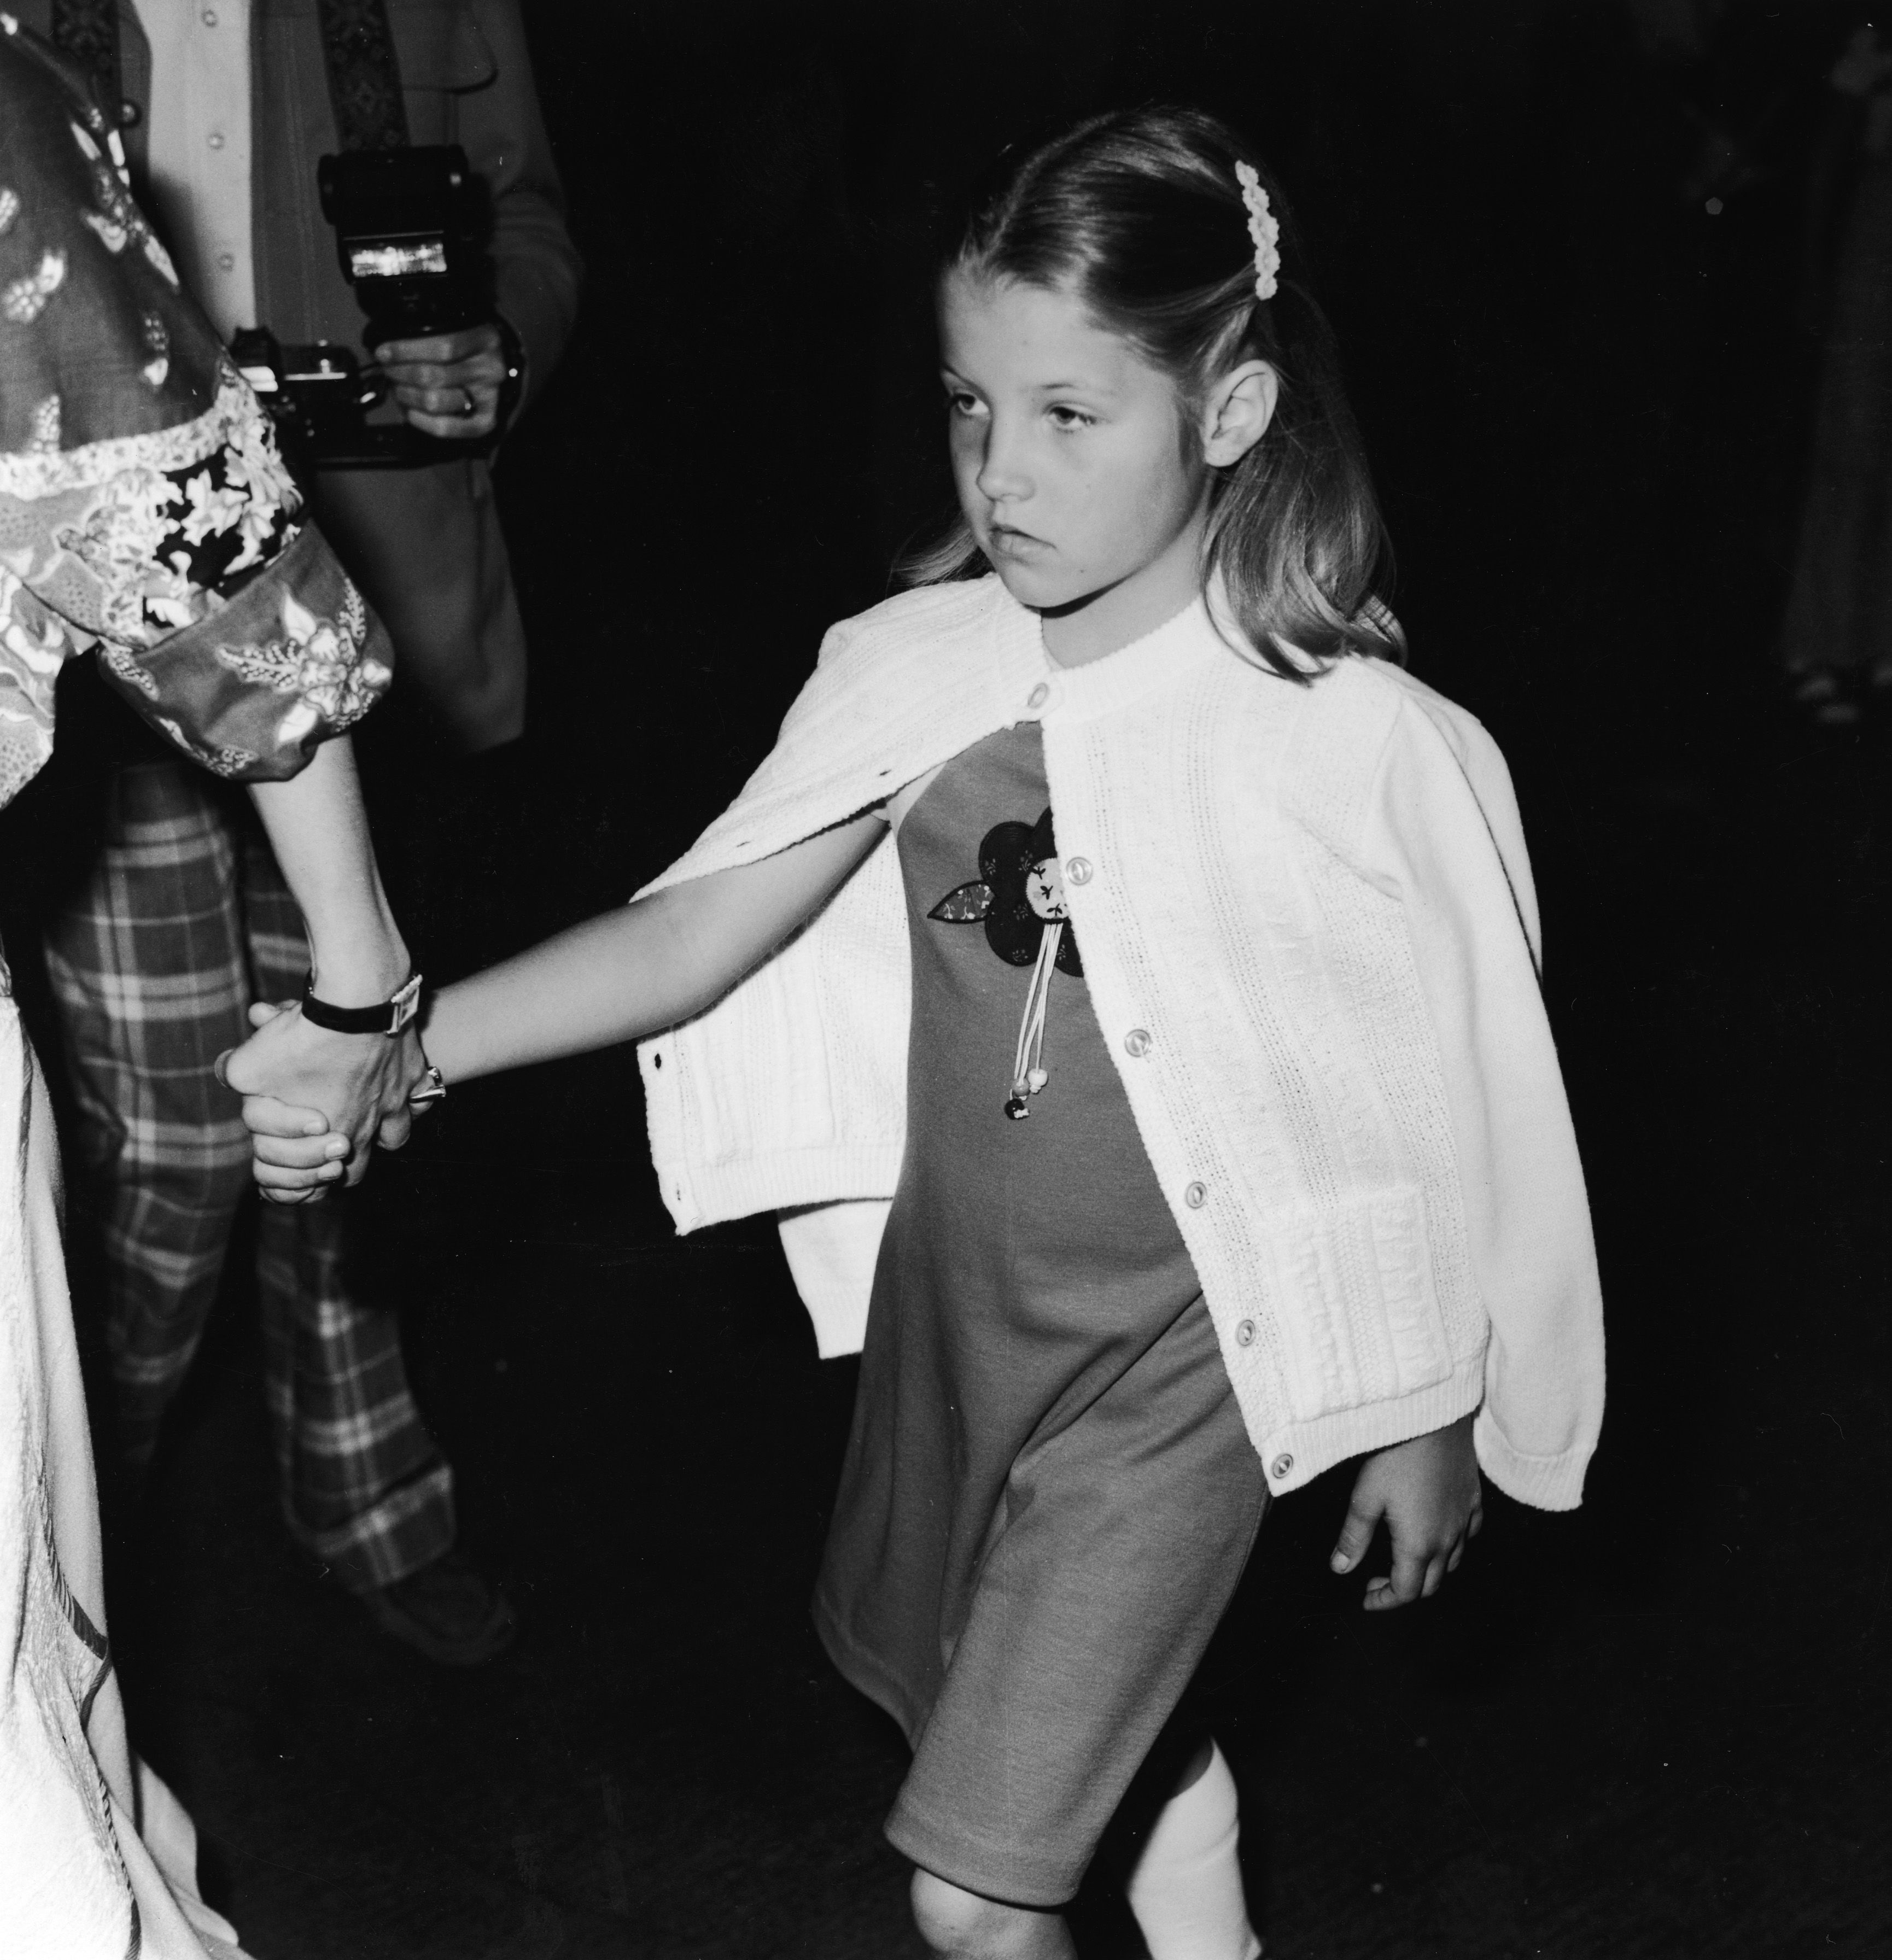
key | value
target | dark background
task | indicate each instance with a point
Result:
(1656, 1727)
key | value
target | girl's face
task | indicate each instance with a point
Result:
(1081, 477)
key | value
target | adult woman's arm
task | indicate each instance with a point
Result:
(360, 1082)
(145, 510)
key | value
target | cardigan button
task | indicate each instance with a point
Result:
(1281, 1466)
(129, 115)
(1195, 1197)
(1137, 1042)
(1077, 870)
(1244, 1333)
(1038, 696)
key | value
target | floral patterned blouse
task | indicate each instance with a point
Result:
(145, 510)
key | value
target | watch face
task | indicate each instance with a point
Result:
(405, 1004)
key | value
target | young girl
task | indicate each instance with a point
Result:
(1189, 1018)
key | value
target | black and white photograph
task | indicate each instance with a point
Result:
(943, 1010)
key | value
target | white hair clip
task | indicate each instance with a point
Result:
(1264, 228)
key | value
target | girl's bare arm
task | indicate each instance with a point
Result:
(644, 967)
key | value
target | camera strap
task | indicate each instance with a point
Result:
(358, 50)
(364, 75)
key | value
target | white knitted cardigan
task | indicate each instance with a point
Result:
(1312, 907)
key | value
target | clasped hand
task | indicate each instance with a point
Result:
(324, 1099)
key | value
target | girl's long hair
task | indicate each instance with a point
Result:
(1137, 214)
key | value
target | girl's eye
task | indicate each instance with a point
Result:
(961, 403)
(1066, 418)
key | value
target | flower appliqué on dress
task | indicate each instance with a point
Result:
(319, 661)
(1018, 891)
(1018, 897)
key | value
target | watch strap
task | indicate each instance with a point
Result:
(385, 1017)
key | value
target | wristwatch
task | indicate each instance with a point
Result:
(385, 1017)
(432, 1089)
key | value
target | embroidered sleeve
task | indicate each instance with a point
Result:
(144, 508)
(224, 623)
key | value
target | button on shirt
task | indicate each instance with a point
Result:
(199, 150)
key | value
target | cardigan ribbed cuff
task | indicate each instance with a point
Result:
(1310, 1449)
(707, 1193)
(1297, 1453)
(1550, 1483)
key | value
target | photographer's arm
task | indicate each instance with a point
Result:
(537, 271)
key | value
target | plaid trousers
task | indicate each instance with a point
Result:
(182, 920)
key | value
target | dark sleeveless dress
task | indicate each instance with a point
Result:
(1048, 1494)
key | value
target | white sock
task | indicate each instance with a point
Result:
(1186, 1889)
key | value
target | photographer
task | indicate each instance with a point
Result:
(225, 108)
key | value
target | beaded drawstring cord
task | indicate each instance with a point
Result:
(1028, 1072)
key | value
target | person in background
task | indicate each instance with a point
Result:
(1836, 636)
(144, 511)
(226, 109)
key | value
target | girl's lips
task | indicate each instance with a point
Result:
(1015, 544)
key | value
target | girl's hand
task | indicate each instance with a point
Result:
(1427, 1492)
(296, 1157)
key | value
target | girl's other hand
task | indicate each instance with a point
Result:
(1427, 1492)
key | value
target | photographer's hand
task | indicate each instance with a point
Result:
(449, 384)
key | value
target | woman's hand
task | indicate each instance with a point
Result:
(448, 384)
(1427, 1492)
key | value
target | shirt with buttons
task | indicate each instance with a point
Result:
(199, 150)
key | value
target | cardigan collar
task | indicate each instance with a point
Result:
(1159, 660)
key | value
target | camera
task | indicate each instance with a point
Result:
(320, 397)
(410, 227)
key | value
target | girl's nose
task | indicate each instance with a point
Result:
(1001, 475)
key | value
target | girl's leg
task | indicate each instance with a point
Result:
(960, 1925)
(1186, 1889)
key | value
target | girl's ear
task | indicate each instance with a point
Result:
(1236, 416)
